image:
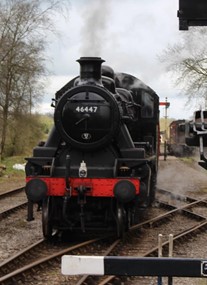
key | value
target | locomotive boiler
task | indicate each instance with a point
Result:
(99, 164)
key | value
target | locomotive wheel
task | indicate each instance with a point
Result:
(46, 224)
(121, 220)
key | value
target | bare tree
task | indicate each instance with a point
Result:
(24, 27)
(187, 60)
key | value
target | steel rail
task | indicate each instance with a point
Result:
(154, 251)
(11, 192)
(11, 210)
(12, 275)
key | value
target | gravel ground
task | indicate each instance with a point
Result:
(174, 175)
(15, 232)
(182, 176)
(186, 178)
(9, 183)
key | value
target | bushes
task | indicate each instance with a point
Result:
(25, 131)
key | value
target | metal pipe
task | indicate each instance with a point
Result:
(170, 254)
(159, 278)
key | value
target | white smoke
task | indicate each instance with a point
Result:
(96, 16)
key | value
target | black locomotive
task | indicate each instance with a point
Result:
(99, 164)
(196, 134)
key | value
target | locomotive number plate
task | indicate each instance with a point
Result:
(87, 109)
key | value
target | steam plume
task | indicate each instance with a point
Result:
(96, 16)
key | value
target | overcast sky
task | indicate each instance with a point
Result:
(128, 34)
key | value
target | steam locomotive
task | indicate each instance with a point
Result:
(196, 135)
(99, 164)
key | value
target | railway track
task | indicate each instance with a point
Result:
(40, 255)
(12, 201)
(11, 192)
(141, 245)
(183, 221)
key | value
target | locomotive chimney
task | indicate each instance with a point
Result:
(90, 70)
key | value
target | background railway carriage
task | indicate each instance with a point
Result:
(176, 144)
(98, 166)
